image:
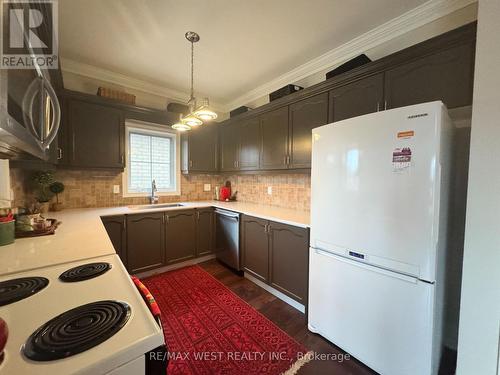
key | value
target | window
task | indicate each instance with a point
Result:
(151, 155)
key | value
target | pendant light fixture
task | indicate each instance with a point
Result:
(198, 114)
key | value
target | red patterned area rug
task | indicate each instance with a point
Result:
(210, 330)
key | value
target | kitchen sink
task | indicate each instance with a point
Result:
(156, 206)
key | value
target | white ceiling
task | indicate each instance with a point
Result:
(244, 43)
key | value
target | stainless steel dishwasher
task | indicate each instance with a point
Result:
(227, 238)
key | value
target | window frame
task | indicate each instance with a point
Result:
(151, 129)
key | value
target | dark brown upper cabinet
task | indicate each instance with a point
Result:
(229, 146)
(249, 144)
(304, 116)
(94, 135)
(255, 247)
(180, 235)
(199, 149)
(205, 231)
(357, 98)
(115, 227)
(289, 260)
(145, 242)
(274, 139)
(446, 75)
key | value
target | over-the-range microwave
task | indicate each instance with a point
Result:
(30, 112)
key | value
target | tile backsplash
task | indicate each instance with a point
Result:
(287, 190)
(86, 189)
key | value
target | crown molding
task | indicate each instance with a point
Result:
(105, 75)
(411, 20)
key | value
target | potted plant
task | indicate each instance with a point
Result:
(41, 183)
(57, 188)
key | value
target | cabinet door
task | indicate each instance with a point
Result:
(255, 246)
(96, 135)
(145, 242)
(202, 146)
(274, 135)
(289, 260)
(180, 243)
(229, 139)
(249, 147)
(205, 226)
(446, 75)
(357, 98)
(304, 116)
(115, 226)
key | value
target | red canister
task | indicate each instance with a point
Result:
(225, 193)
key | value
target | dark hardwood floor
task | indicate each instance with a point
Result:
(288, 319)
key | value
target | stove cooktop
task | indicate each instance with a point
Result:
(77, 330)
(85, 272)
(17, 289)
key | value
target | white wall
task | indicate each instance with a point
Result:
(479, 329)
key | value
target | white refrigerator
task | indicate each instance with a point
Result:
(379, 204)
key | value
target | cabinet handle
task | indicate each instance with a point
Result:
(198, 215)
(122, 159)
(190, 163)
(288, 160)
(385, 105)
(59, 153)
(378, 106)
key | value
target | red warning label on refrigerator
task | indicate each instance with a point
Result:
(401, 158)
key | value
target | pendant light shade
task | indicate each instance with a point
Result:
(205, 113)
(192, 120)
(181, 127)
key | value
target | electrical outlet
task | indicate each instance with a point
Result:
(270, 190)
(116, 189)
(207, 187)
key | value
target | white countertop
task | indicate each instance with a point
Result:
(82, 234)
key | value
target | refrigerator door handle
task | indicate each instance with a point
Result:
(368, 267)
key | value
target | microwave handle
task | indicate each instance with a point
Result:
(55, 121)
(42, 84)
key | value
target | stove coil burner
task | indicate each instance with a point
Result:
(17, 289)
(84, 272)
(77, 330)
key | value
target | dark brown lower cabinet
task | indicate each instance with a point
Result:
(115, 226)
(289, 260)
(205, 239)
(145, 242)
(255, 247)
(180, 235)
(277, 254)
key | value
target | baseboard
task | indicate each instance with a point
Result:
(171, 267)
(276, 293)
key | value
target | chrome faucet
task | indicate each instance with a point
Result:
(153, 198)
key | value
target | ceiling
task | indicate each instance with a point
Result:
(243, 45)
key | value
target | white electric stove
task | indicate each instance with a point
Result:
(90, 320)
